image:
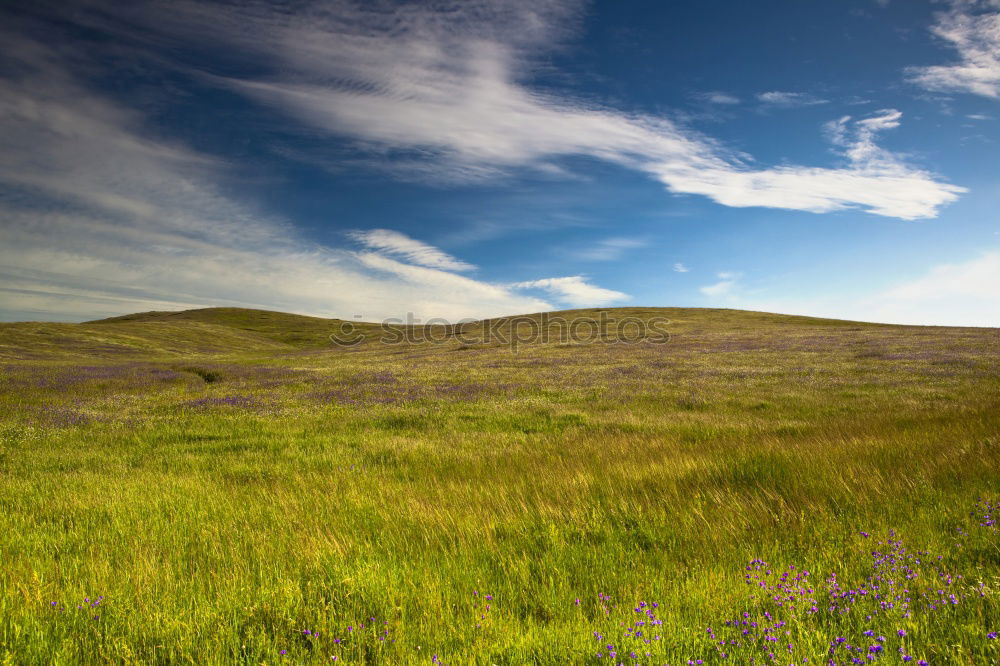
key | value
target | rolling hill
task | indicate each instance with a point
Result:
(236, 331)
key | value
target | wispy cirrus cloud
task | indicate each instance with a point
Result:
(717, 97)
(574, 291)
(725, 285)
(788, 100)
(857, 138)
(873, 178)
(972, 28)
(608, 249)
(416, 252)
(441, 88)
(680, 268)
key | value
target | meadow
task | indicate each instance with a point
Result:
(228, 486)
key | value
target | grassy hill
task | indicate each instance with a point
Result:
(38, 341)
(207, 331)
(227, 480)
(237, 331)
(288, 329)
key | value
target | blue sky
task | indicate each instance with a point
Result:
(477, 158)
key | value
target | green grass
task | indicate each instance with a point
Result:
(227, 479)
(289, 329)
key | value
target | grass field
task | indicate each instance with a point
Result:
(227, 486)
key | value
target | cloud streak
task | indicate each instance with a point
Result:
(609, 249)
(724, 287)
(574, 291)
(972, 28)
(417, 252)
(442, 89)
(789, 100)
(717, 97)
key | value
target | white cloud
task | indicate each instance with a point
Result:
(680, 268)
(442, 92)
(574, 291)
(448, 295)
(724, 287)
(609, 249)
(716, 97)
(874, 178)
(858, 140)
(393, 242)
(972, 28)
(979, 116)
(789, 99)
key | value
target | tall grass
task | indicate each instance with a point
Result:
(363, 505)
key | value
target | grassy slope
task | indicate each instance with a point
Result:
(224, 502)
(45, 341)
(204, 332)
(290, 329)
